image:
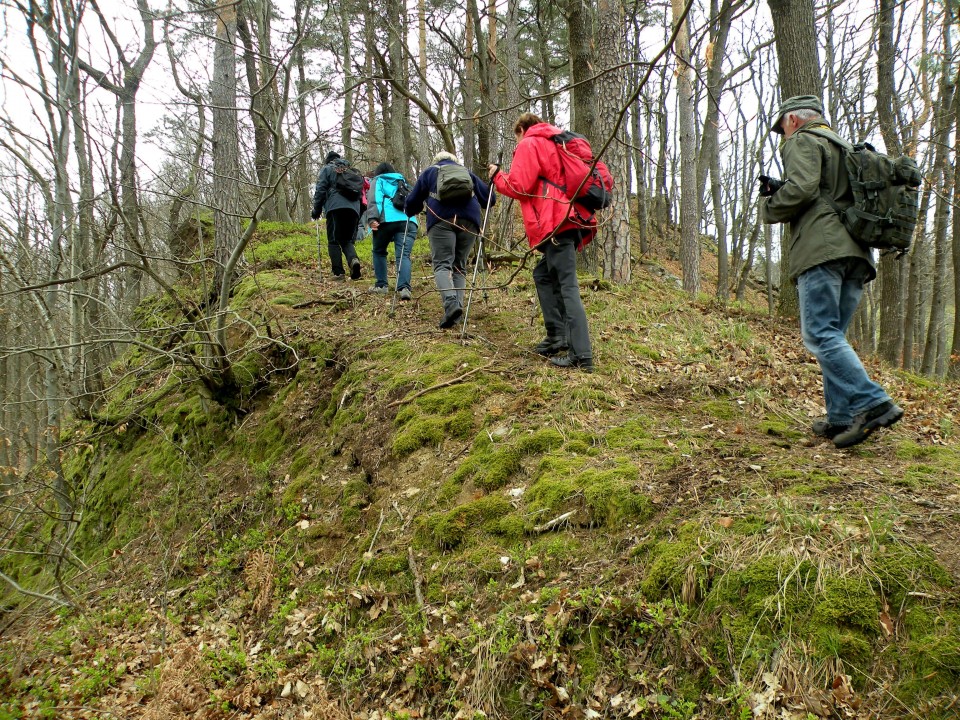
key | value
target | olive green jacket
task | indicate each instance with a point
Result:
(812, 163)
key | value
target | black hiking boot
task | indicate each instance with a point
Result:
(355, 269)
(550, 346)
(450, 319)
(568, 361)
(883, 415)
(822, 427)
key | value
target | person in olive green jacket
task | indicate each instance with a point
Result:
(829, 267)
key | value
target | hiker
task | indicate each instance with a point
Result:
(453, 197)
(557, 227)
(338, 195)
(829, 267)
(390, 225)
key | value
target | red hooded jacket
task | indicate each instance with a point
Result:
(533, 179)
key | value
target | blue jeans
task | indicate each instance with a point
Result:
(402, 235)
(829, 295)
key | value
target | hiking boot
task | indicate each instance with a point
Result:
(883, 415)
(450, 319)
(340, 278)
(568, 361)
(379, 290)
(550, 346)
(355, 269)
(822, 427)
(405, 294)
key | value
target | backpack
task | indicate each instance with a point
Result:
(576, 158)
(885, 197)
(349, 183)
(454, 184)
(399, 197)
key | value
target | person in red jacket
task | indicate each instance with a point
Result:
(557, 228)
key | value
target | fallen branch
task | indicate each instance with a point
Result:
(550, 524)
(29, 593)
(417, 577)
(447, 383)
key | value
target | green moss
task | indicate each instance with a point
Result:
(666, 564)
(848, 602)
(900, 569)
(629, 434)
(778, 428)
(278, 244)
(266, 285)
(451, 529)
(721, 409)
(429, 420)
(609, 496)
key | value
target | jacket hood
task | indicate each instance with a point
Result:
(544, 130)
(391, 176)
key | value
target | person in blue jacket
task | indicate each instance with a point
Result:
(390, 225)
(452, 228)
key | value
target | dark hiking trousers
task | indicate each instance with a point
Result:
(341, 233)
(450, 247)
(555, 277)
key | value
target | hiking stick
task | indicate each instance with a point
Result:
(319, 263)
(476, 264)
(398, 260)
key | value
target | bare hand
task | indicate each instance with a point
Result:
(492, 169)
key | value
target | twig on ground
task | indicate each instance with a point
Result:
(446, 383)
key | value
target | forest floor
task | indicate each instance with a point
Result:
(404, 523)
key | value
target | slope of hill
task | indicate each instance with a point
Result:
(402, 524)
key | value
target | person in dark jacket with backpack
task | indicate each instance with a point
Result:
(334, 197)
(829, 267)
(454, 198)
(390, 225)
(557, 227)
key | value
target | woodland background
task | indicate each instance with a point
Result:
(141, 143)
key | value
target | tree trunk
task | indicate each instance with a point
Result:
(689, 202)
(583, 102)
(226, 151)
(796, 40)
(614, 233)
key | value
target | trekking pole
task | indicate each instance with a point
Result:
(398, 260)
(476, 264)
(319, 263)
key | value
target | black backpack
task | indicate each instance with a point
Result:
(885, 197)
(349, 183)
(399, 198)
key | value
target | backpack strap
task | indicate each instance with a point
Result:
(826, 132)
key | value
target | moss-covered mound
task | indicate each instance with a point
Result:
(392, 521)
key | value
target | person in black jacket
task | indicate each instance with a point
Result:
(343, 217)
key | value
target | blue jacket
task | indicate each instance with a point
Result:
(382, 210)
(427, 183)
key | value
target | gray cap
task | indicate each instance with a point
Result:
(797, 102)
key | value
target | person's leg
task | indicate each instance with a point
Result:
(346, 231)
(825, 310)
(333, 247)
(464, 246)
(443, 241)
(551, 305)
(380, 242)
(404, 240)
(562, 259)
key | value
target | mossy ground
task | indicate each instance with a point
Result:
(647, 541)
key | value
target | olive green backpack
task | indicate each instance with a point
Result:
(885, 195)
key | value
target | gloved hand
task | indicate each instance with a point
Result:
(769, 185)
(314, 215)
